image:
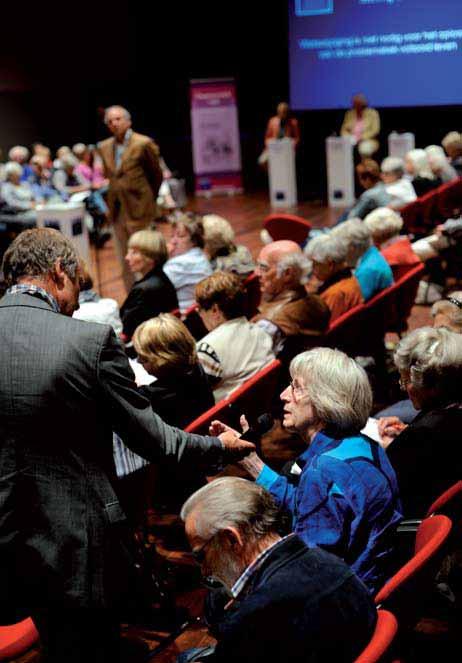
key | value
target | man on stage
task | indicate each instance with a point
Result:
(131, 163)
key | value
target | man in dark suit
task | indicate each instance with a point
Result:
(131, 163)
(281, 601)
(65, 384)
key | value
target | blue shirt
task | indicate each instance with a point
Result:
(346, 502)
(373, 273)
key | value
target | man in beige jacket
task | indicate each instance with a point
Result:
(131, 163)
(363, 125)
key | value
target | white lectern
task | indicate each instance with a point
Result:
(400, 144)
(69, 218)
(340, 171)
(282, 174)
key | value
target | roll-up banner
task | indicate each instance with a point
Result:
(215, 137)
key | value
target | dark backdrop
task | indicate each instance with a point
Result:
(61, 65)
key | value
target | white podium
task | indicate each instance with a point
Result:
(282, 174)
(69, 218)
(400, 144)
(340, 171)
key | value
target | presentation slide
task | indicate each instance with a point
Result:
(397, 52)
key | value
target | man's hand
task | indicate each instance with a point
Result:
(234, 446)
(217, 427)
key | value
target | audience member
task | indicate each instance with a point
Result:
(385, 226)
(439, 163)
(94, 308)
(346, 500)
(398, 187)
(66, 180)
(448, 312)
(166, 349)
(286, 310)
(188, 263)
(418, 167)
(40, 180)
(452, 144)
(285, 597)
(152, 292)
(62, 151)
(16, 193)
(370, 267)
(20, 155)
(234, 349)
(362, 124)
(131, 164)
(41, 150)
(89, 166)
(219, 246)
(64, 386)
(339, 288)
(426, 455)
(375, 194)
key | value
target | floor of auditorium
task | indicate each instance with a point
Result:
(246, 213)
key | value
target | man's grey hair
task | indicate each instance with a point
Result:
(450, 310)
(298, 262)
(433, 359)
(12, 168)
(327, 247)
(232, 502)
(35, 252)
(18, 152)
(356, 235)
(337, 387)
(116, 107)
(383, 224)
(393, 165)
(79, 149)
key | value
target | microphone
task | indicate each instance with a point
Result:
(263, 424)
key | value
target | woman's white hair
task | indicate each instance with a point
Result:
(12, 168)
(337, 387)
(18, 152)
(393, 165)
(327, 247)
(433, 359)
(383, 224)
(357, 237)
(79, 150)
(218, 233)
(421, 164)
(451, 310)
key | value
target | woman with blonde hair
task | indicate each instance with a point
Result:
(221, 250)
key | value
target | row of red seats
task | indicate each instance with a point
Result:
(445, 202)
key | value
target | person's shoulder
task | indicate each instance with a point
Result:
(106, 143)
(143, 140)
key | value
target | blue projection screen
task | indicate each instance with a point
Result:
(398, 52)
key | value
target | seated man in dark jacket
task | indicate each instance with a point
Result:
(281, 601)
(153, 292)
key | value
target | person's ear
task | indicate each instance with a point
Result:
(232, 537)
(58, 273)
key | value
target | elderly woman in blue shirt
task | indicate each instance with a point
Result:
(346, 500)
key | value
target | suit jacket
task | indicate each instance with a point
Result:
(65, 384)
(371, 120)
(151, 295)
(301, 605)
(133, 186)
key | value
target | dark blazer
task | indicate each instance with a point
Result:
(65, 384)
(151, 295)
(427, 458)
(301, 605)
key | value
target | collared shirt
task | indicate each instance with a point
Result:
(346, 502)
(119, 148)
(184, 271)
(244, 578)
(35, 291)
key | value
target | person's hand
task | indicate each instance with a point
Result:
(235, 446)
(217, 427)
(389, 428)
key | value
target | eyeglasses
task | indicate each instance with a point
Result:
(263, 267)
(199, 554)
(297, 390)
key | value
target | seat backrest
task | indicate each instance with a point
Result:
(252, 295)
(412, 218)
(287, 226)
(431, 215)
(17, 639)
(446, 502)
(406, 588)
(405, 292)
(346, 331)
(383, 636)
(450, 199)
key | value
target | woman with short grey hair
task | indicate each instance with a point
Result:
(418, 167)
(385, 226)
(427, 454)
(17, 195)
(398, 187)
(345, 498)
(448, 312)
(335, 283)
(221, 250)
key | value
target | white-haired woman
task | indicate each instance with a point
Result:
(17, 195)
(221, 250)
(427, 454)
(20, 155)
(338, 287)
(385, 226)
(370, 267)
(346, 500)
(439, 163)
(418, 167)
(398, 187)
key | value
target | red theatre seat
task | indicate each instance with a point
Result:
(447, 499)
(382, 638)
(412, 217)
(450, 199)
(17, 639)
(287, 226)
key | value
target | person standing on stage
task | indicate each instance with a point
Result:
(131, 163)
(362, 123)
(281, 125)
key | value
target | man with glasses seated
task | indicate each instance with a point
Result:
(278, 599)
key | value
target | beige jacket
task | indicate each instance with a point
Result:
(371, 123)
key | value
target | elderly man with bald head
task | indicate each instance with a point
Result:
(286, 309)
(131, 163)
